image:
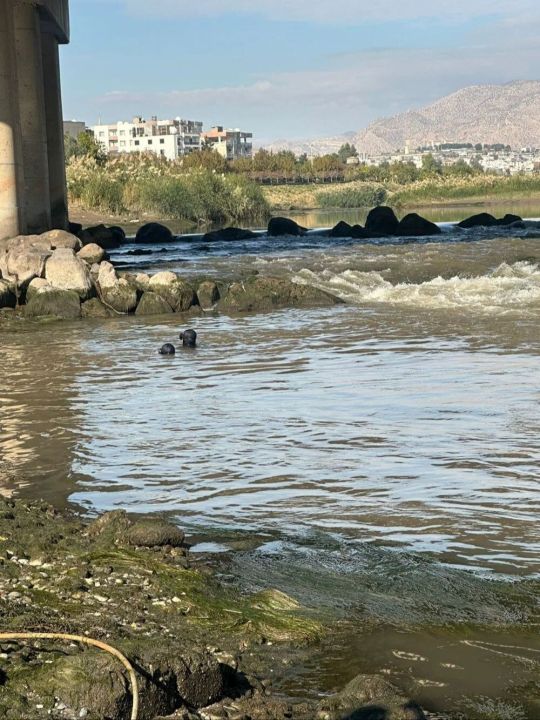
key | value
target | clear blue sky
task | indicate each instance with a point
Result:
(290, 68)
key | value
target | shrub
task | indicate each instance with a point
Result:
(358, 197)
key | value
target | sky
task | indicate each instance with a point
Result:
(288, 68)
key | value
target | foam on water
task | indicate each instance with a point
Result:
(501, 291)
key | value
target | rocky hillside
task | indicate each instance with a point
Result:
(508, 114)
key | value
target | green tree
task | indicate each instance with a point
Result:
(347, 151)
(430, 166)
(84, 145)
(205, 159)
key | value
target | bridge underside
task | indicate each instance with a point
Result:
(32, 172)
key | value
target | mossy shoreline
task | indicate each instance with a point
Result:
(200, 650)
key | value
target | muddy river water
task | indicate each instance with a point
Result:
(379, 460)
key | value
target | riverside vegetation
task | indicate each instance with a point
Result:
(205, 189)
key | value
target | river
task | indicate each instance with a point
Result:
(378, 458)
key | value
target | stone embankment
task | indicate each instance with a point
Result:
(58, 274)
(200, 651)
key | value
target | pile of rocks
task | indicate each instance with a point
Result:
(61, 275)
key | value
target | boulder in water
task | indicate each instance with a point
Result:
(92, 253)
(414, 225)
(65, 304)
(62, 239)
(509, 219)
(65, 271)
(261, 294)
(153, 233)
(109, 238)
(479, 220)
(383, 221)
(116, 292)
(341, 230)
(284, 226)
(229, 234)
(178, 293)
(153, 304)
(94, 308)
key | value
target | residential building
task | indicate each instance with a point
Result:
(171, 139)
(231, 144)
(74, 128)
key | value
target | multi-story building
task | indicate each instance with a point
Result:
(171, 139)
(231, 144)
(74, 128)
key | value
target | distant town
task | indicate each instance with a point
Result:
(177, 138)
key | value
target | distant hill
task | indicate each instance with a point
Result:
(508, 114)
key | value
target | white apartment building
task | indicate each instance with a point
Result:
(170, 139)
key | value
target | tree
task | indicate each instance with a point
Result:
(430, 166)
(347, 151)
(84, 145)
(205, 159)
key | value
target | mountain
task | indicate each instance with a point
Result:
(508, 114)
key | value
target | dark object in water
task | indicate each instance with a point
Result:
(509, 219)
(284, 226)
(153, 233)
(414, 225)
(342, 229)
(74, 228)
(229, 234)
(167, 349)
(189, 338)
(382, 220)
(480, 220)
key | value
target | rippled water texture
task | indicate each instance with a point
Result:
(409, 416)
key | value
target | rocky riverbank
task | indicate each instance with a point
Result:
(200, 651)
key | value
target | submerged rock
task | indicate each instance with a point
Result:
(94, 308)
(116, 292)
(153, 233)
(109, 238)
(36, 286)
(342, 229)
(382, 220)
(229, 234)
(65, 304)
(284, 226)
(509, 219)
(479, 220)
(414, 225)
(178, 293)
(256, 294)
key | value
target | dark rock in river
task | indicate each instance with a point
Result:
(284, 226)
(75, 228)
(153, 233)
(64, 304)
(414, 225)
(259, 294)
(382, 220)
(341, 230)
(228, 234)
(373, 698)
(153, 304)
(109, 238)
(509, 219)
(480, 220)
(155, 533)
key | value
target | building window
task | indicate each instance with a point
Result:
(137, 142)
(162, 142)
(150, 142)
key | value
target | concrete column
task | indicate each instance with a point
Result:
(12, 221)
(55, 131)
(32, 117)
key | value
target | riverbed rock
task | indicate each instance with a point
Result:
(109, 238)
(509, 219)
(153, 233)
(142, 280)
(65, 271)
(383, 221)
(479, 220)
(155, 533)
(341, 230)
(414, 225)
(284, 226)
(208, 294)
(94, 308)
(259, 294)
(65, 304)
(229, 234)
(7, 296)
(178, 293)
(92, 253)
(153, 304)
(370, 697)
(62, 239)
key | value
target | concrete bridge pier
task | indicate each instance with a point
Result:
(32, 173)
